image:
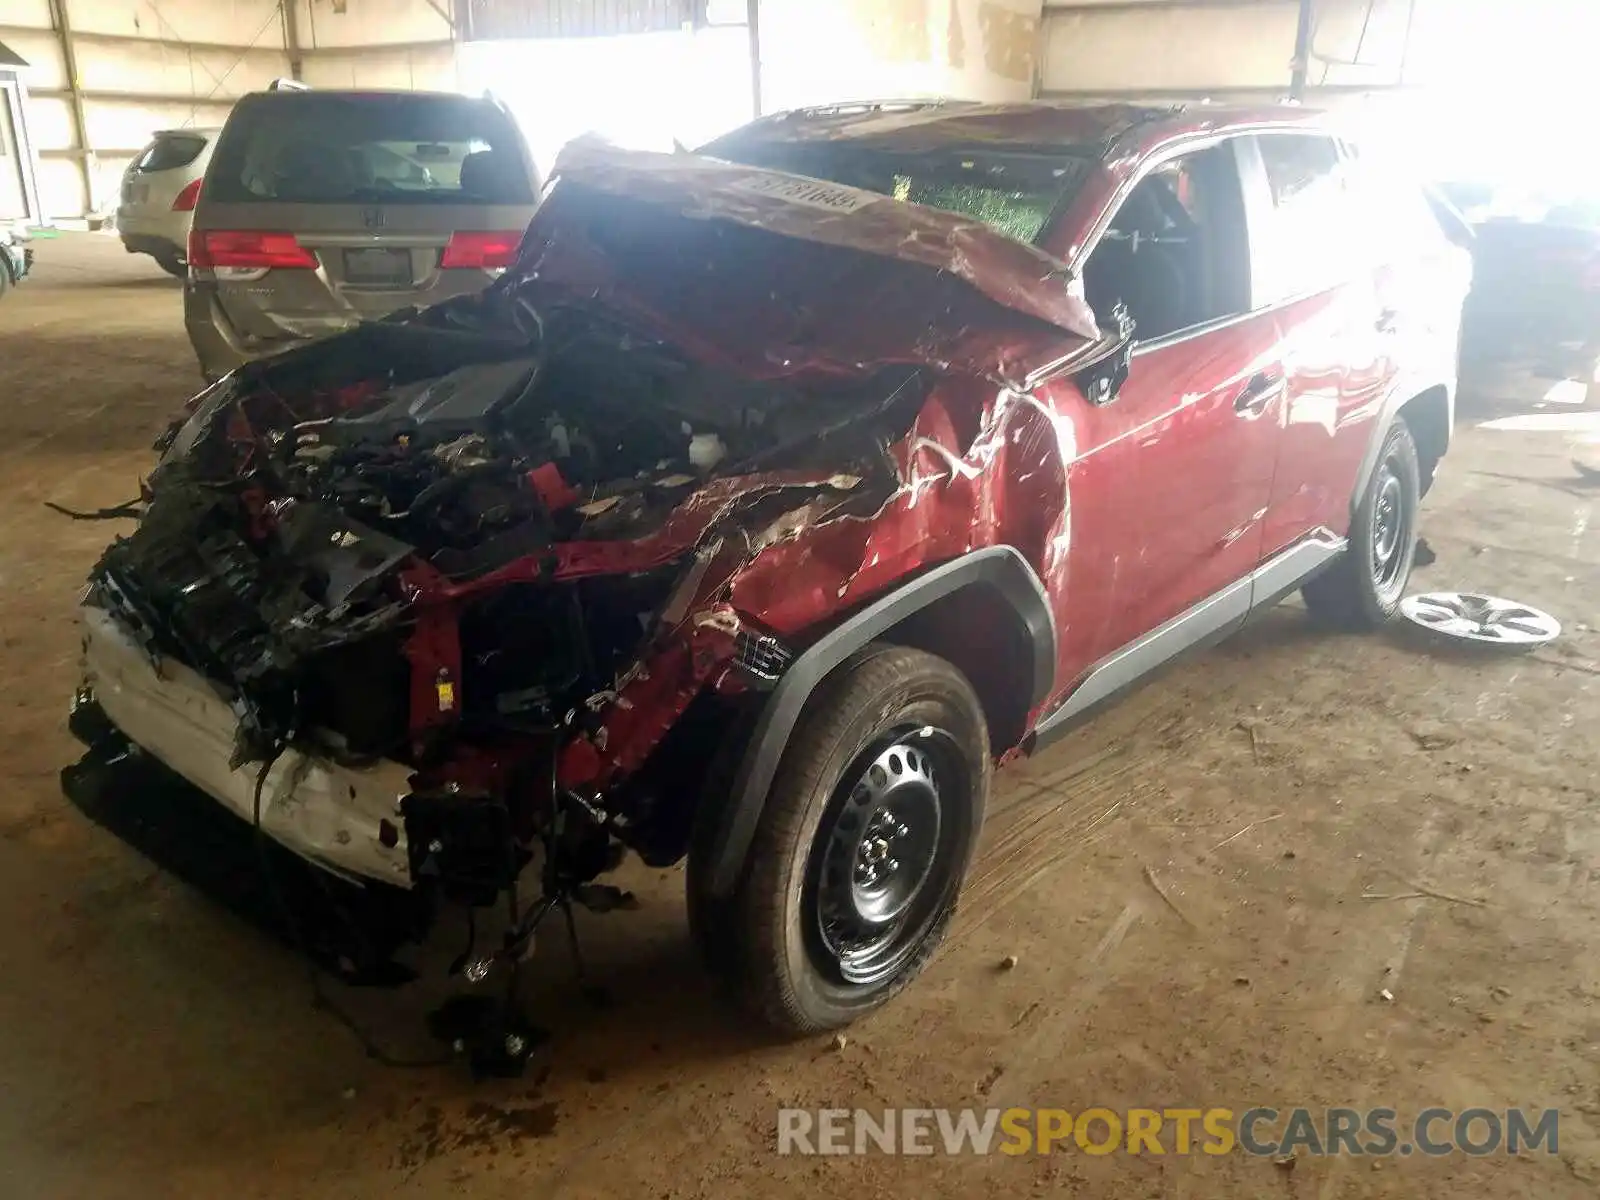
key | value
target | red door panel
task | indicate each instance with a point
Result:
(1167, 487)
(1338, 369)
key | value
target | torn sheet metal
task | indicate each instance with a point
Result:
(782, 274)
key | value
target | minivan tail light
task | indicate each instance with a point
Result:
(188, 198)
(248, 249)
(485, 251)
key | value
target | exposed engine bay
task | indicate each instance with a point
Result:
(463, 544)
(497, 552)
(287, 547)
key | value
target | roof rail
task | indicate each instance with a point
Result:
(843, 107)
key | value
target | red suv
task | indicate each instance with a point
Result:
(776, 495)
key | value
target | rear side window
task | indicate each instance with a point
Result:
(169, 152)
(325, 148)
(1312, 237)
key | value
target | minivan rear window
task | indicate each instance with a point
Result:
(320, 148)
(169, 152)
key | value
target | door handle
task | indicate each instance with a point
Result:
(1260, 390)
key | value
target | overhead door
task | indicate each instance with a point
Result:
(494, 20)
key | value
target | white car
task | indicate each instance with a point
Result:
(159, 191)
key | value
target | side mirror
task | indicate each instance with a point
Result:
(1101, 381)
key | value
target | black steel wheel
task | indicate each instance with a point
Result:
(1363, 589)
(861, 847)
(1393, 522)
(881, 853)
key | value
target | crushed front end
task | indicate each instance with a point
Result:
(428, 605)
(471, 597)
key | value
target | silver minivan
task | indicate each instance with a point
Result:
(321, 209)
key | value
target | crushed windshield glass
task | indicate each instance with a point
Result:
(1015, 192)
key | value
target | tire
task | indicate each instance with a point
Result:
(5, 279)
(843, 900)
(172, 263)
(1363, 589)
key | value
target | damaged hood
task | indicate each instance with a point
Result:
(779, 273)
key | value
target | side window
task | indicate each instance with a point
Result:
(1175, 252)
(1312, 237)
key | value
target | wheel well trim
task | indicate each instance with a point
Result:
(1404, 393)
(999, 567)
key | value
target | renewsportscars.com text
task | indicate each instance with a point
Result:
(1261, 1131)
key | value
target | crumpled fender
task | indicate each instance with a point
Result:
(998, 567)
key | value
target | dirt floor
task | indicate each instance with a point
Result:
(152, 1045)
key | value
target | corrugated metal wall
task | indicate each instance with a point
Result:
(1244, 48)
(495, 19)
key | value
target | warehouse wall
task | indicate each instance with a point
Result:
(145, 65)
(820, 50)
(141, 67)
(1459, 88)
(149, 64)
(1234, 47)
(376, 43)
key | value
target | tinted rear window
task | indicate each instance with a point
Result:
(169, 152)
(311, 148)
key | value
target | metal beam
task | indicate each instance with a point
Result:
(377, 48)
(444, 13)
(80, 123)
(1300, 65)
(131, 39)
(1123, 6)
(74, 154)
(290, 11)
(753, 22)
(115, 97)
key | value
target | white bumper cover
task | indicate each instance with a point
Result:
(325, 812)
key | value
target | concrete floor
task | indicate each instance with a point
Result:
(154, 1046)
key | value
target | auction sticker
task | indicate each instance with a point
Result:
(808, 192)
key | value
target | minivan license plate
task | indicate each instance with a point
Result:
(376, 266)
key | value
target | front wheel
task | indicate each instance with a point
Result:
(863, 843)
(1363, 589)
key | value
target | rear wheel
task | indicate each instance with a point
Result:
(863, 842)
(1363, 589)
